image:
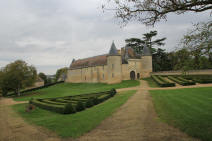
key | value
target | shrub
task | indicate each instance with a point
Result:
(89, 103)
(80, 106)
(29, 108)
(51, 107)
(112, 92)
(161, 81)
(95, 101)
(69, 109)
(175, 79)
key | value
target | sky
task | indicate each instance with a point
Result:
(48, 34)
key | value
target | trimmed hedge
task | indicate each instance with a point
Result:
(199, 78)
(50, 107)
(186, 80)
(34, 89)
(72, 104)
(161, 81)
(181, 82)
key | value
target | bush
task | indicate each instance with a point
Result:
(37, 88)
(69, 109)
(200, 78)
(181, 82)
(95, 101)
(89, 103)
(112, 92)
(80, 106)
(51, 107)
(161, 81)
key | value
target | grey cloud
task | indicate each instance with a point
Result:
(50, 33)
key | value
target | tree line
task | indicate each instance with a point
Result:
(18, 75)
(194, 52)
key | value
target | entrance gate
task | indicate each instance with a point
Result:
(132, 75)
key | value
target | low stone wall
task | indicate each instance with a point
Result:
(179, 72)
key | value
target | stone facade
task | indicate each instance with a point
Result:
(110, 68)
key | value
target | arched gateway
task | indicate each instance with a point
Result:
(132, 75)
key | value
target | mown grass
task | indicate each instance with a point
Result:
(189, 109)
(74, 125)
(151, 82)
(67, 89)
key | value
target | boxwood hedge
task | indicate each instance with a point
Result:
(72, 104)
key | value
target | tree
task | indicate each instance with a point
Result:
(137, 44)
(184, 60)
(149, 12)
(199, 42)
(60, 72)
(17, 75)
(161, 61)
(43, 76)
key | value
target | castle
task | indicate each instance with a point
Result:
(110, 68)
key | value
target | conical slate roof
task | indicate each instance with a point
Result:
(146, 51)
(113, 50)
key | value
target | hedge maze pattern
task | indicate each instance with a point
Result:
(72, 104)
(184, 80)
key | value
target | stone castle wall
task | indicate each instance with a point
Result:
(113, 72)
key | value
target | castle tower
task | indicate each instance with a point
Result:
(114, 62)
(146, 62)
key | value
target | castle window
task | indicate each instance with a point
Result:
(112, 75)
(85, 77)
(112, 66)
(103, 67)
(103, 76)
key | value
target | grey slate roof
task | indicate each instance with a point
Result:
(113, 50)
(146, 51)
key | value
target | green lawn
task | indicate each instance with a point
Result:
(74, 125)
(151, 82)
(67, 89)
(188, 109)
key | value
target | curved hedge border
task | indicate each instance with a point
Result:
(34, 89)
(161, 81)
(72, 104)
(180, 81)
(199, 78)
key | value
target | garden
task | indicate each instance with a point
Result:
(184, 80)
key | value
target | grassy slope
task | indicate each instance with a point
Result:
(188, 109)
(67, 89)
(74, 125)
(151, 82)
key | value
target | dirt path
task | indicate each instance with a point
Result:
(136, 120)
(14, 128)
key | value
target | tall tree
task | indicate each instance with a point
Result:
(60, 72)
(137, 44)
(43, 76)
(17, 75)
(151, 11)
(199, 42)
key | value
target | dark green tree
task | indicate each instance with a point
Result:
(161, 61)
(138, 44)
(17, 75)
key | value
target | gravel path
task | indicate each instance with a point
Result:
(14, 128)
(136, 120)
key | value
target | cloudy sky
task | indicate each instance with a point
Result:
(50, 33)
